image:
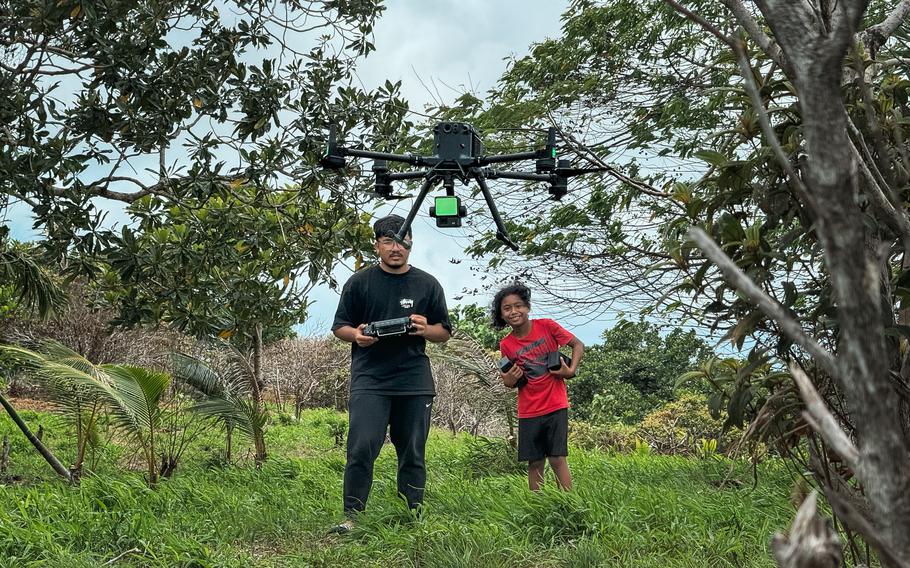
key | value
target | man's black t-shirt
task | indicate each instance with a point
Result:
(399, 364)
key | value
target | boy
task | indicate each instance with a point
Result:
(543, 419)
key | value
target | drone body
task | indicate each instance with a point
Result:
(458, 155)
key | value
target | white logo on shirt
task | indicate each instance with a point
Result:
(406, 303)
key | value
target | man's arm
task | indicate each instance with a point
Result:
(355, 335)
(437, 333)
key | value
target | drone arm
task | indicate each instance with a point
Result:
(407, 159)
(407, 175)
(484, 160)
(500, 174)
(501, 232)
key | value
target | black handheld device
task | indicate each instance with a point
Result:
(555, 359)
(505, 365)
(389, 327)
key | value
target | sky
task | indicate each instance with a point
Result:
(438, 49)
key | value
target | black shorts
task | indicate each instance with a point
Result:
(543, 436)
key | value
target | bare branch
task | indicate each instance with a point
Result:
(700, 21)
(758, 35)
(745, 69)
(822, 421)
(874, 37)
(812, 541)
(769, 306)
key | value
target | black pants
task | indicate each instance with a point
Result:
(408, 420)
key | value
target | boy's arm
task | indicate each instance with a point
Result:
(578, 351)
(570, 370)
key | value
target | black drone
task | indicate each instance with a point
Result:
(459, 154)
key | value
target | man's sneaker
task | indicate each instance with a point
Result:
(343, 528)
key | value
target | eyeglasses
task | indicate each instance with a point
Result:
(389, 243)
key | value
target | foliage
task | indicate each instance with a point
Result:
(175, 100)
(225, 395)
(474, 321)
(645, 512)
(618, 402)
(26, 283)
(222, 266)
(740, 388)
(130, 394)
(680, 426)
(638, 355)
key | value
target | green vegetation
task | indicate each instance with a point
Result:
(627, 510)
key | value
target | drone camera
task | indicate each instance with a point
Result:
(448, 211)
(456, 141)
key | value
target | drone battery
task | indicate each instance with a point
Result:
(390, 327)
(555, 359)
(505, 364)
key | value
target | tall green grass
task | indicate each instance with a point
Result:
(639, 511)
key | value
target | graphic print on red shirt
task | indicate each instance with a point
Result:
(545, 392)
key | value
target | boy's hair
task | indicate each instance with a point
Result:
(388, 226)
(519, 290)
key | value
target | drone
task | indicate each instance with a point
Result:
(459, 155)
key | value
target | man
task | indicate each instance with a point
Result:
(391, 382)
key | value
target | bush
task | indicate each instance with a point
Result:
(588, 436)
(618, 403)
(679, 427)
(483, 457)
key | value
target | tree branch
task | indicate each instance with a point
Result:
(822, 421)
(758, 35)
(769, 306)
(874, 37)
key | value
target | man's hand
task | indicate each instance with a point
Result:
(364, 340)
(431, 332)
(511, 378)
(565, 371)
(420, 325)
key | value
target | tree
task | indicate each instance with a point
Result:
(777, 129)
(165, 95)
(29, 284)
(638, 355)
(237, 268)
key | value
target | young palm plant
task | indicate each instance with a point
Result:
(81, 389)
(226, 397)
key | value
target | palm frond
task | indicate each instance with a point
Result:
(133, 396)
(33, 283)
(226, 391)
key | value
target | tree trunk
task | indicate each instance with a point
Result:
(259, 435)
(42, 449)
(817, 48)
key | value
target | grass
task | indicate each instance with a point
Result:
(641, 511)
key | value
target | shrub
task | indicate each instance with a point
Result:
(679, 426)
(588, 436)
(618, 402)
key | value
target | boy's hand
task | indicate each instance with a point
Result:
(565, 371)
(364, 340)
(511, 378)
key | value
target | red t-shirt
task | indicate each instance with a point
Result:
(545, 392)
